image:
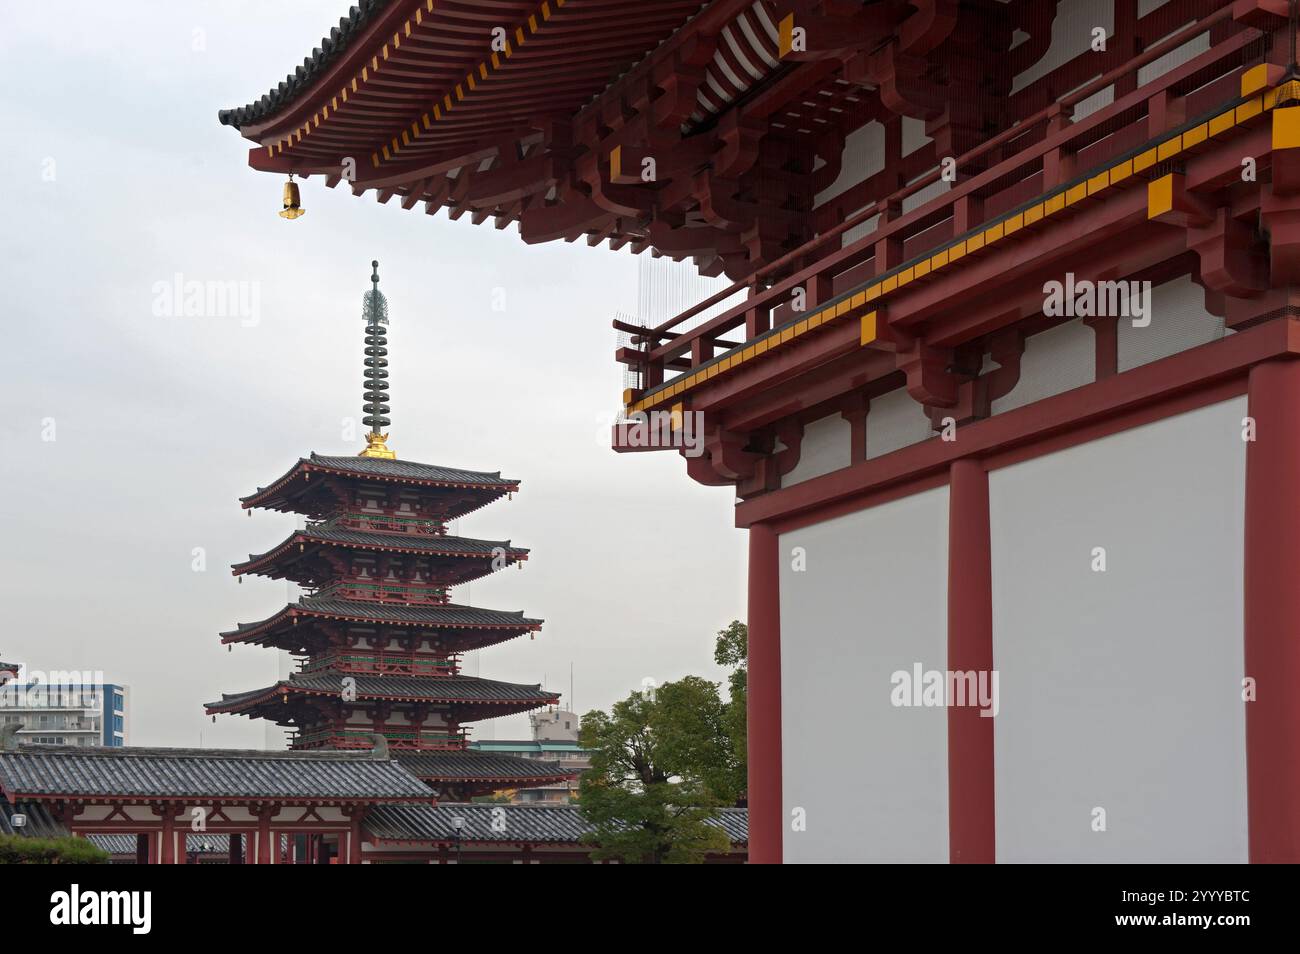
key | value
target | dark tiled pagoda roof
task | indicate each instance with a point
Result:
(277, 495)
(431, 544)
(544, 824)
(36, 771)
(331, 48)
(212, 845)
(477, 767)
(437, 689)
(447, 616)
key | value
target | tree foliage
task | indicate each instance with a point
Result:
(16, 850)
(663, 761)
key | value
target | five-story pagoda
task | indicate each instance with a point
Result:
(377, 639)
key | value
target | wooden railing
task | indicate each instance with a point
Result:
(1050, 150)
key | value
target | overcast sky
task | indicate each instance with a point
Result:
(117, 177)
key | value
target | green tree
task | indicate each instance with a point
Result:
(731, 649)
(659, 770)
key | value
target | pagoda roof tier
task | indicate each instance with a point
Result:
(486, 698)
(459, 767)
(293, 492)
(493, 626)
(479, 554)
(64, 771)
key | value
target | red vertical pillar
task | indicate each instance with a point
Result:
(764, 704)
(167, 855)
(970, 649)
(1272, 617)
(264, 837)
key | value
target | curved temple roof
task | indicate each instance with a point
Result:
(284, 493)
(437, 689)
(430, 544)
(446, 616)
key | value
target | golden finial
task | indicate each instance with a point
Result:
(376, 446)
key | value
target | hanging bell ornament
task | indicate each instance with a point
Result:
(292, 200)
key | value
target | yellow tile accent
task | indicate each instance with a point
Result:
(841, 309)
(519, 35)
(801, 327)
(482, 71)
(1121, 172)
(1144, 160)
(1270, 98)
(1099, 182)
(762, 346)
(939, 260)
(923, 268)
(1076, 194)
(712, 372)
(1169, 148)
(1254, 79)
(1222, 122)
(858, 300)
(905, 276)
(1196, 135)
(1034, 214)
(1250, 109)
(872, 293)
(889, 284)
(675, 417)
(787, 335)
(867, 330)
(816, 320)
(975, 243)
(749, 352)
(1055, 204)
(496, 61)
(627, 396)
(1160, 196)
(1286, 127)
(532, 24)
(956, 252)
(470, 81)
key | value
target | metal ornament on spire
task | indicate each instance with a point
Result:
(375, 312)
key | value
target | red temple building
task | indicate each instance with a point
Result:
(1004, 382)
(377, 639)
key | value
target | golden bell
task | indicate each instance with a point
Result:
(292, 201)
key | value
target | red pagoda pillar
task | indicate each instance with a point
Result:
(970, 649)
(764, 697)
(1272, 617)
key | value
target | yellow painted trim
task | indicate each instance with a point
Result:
(841, 309)
(1250, 109)
(940, 259)
(1055, 204)
(1034, 214)
(889, 284)
(1286, 127)
(1099, 182)
(872, 293)
(1076, 193)
(801, 327)
(785, 38)
(1013, 224)
(1196, 135)
(867, 329)
(956, 251)
(1223, 122)
(858, 300)
(1254, 79)
(906, 275)
(1121, 172)
(1144, 160)
(1169, 148)
(1160, 196)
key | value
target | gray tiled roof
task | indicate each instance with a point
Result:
(475, 766)
(36, 770)
(217, 845)
(392, 471)
(446, 616)
(431, 544)
(420, 688)
(330, 49)
(41, 822)
(551, 824)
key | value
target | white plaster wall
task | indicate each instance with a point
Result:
(1057, 360)
(1121, 689)
(894, 421)
(871, 779)
(827, 445)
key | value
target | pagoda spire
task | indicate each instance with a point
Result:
(375, 312)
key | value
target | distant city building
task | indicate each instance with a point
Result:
(81, 714)
(555, 740)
